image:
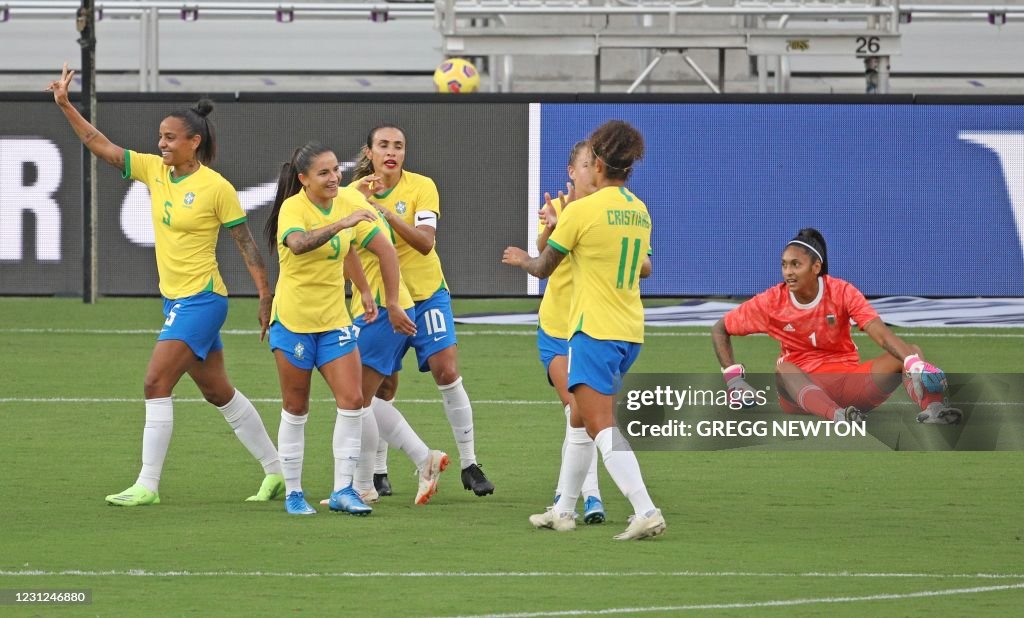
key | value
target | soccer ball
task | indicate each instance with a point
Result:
(456, 75)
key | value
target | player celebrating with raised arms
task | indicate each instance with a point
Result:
(190, 203)
(410, 205)
(313, 226)
(818, 370)
(553, 318)
(608, 235)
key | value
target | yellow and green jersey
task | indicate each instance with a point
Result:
(415, 193)
(608, 234)
(188, 212)
(311, 287)
(371, 267)
(553, 315)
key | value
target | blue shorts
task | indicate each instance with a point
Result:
(195, 320)
(308, 350)
(598, 363)
(549, 348)
(380, 347)
(435, 327)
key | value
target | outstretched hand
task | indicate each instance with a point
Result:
(366, 184)
(357, 217)
(514, 256)
(59, 87)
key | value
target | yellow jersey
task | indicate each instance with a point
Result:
(415, 193)
(311, 287)
(553, 315)
(608, 233)
(371, 268)
(188, 213)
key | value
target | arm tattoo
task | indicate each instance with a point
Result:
(250, 252)
(304, 242)
(543, 265)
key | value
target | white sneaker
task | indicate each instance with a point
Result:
(645, 526)
(939, 414)
(437, 462)
(556, 520)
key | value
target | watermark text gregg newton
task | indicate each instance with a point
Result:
(747, 429)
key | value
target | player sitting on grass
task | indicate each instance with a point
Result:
(818, 370)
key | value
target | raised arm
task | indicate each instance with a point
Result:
(304, 242)
(257, 270)
(541, 266)
(420, 237)
(96, 142)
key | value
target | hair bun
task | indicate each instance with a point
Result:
(203, 107)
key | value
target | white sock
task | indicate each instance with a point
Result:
(248, 426)
(590, 488)
(460, 417)
(590, 482)
(565, 443)
(380, 458)
(156, 437)
(579, 452)
(369, 436)
(348, 429)
(396, 430)
(291, 444)
(621, 463)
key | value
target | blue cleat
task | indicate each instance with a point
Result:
(346, 500)
(296, 504)
(593, 510)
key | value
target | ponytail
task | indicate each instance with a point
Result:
(288, 184)
(198, 123)
(813, 244)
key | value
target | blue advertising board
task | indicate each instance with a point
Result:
(911, 199)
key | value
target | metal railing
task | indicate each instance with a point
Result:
(496, 28)
(149, 13)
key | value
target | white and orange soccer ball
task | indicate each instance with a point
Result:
(457, 75)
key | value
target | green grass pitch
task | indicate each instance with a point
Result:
(768, 531)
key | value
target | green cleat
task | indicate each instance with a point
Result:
(136, 495)
(272, 487)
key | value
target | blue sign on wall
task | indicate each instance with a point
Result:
(912, 199)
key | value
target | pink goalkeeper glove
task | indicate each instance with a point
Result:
(923, 375)
(736, 386)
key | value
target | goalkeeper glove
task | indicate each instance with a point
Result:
(736, 387)
(923, 375)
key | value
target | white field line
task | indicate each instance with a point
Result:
(527, 331)
(487, 574)
(753, 605)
